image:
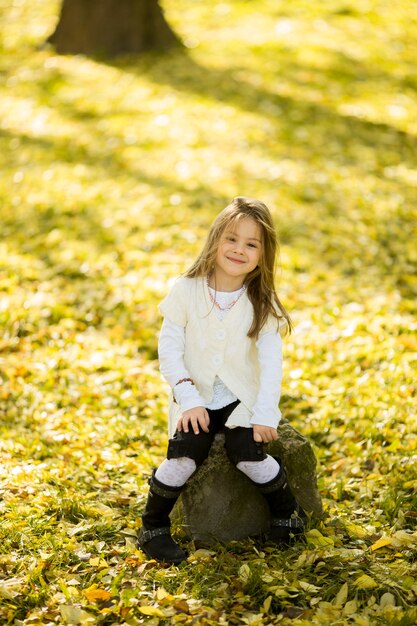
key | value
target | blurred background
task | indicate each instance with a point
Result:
(113, 165)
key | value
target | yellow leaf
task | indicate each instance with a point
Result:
(267, 604)
(11, 587)
(309, 587)
(182, 606)
(162, 594)
(350, 607)
(244, 573)
(342, 595)
(356, 531)
(381, 543)
(97, 594)
(402, 539)
(96, 561)
(152, 611)
(202, 553)
(387, 599)
(365, 582)
(394, 446)
(280, 592)
(75, 615)
(315, 538)
(361, 620)
(301, 561)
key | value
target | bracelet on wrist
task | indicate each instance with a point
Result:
(184, 380)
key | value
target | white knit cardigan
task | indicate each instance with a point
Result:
(216, 347)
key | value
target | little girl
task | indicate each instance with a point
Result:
(220, 350)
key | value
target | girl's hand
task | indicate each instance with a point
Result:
(197, 416)
(264, 434)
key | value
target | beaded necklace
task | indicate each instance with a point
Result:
(231, 304)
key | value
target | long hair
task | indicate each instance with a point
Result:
(260, 282)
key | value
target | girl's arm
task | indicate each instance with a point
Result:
(171, 348)
(265, 410)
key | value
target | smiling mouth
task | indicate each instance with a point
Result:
(239, 261)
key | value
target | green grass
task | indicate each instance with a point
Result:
(111, 172)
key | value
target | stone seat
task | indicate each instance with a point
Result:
(220, 503)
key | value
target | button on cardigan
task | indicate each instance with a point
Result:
(214, 347)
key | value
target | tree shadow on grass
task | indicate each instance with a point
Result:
(340, 135)
(329, 134)
(81, 220)
(304, 131)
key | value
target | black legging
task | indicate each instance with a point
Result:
(239, 444)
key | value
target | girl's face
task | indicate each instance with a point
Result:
(239, 252)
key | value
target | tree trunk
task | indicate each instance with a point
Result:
(111, 27)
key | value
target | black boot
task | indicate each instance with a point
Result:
(155, 535)
(287, 517)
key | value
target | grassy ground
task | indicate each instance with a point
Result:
(111, 173)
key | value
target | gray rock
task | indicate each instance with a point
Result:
(220, 503)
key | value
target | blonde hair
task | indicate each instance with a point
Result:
(260, 282)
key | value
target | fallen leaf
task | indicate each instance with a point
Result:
(267, 604)
(316, 539)
(97, 594)
(341, 595)
(161, 593)
(75, 615)
(98, 562)
(350, 607)
(387, 599)
(182, 606)
(381, 543)
(152, 611)
(309, 587)
(355, 530)
(402, 539)
(365, 582)
(244, 573)
(10, 588)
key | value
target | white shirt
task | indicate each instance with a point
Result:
(171, 357)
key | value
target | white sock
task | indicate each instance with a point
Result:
(175, 472)
(260, 471)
